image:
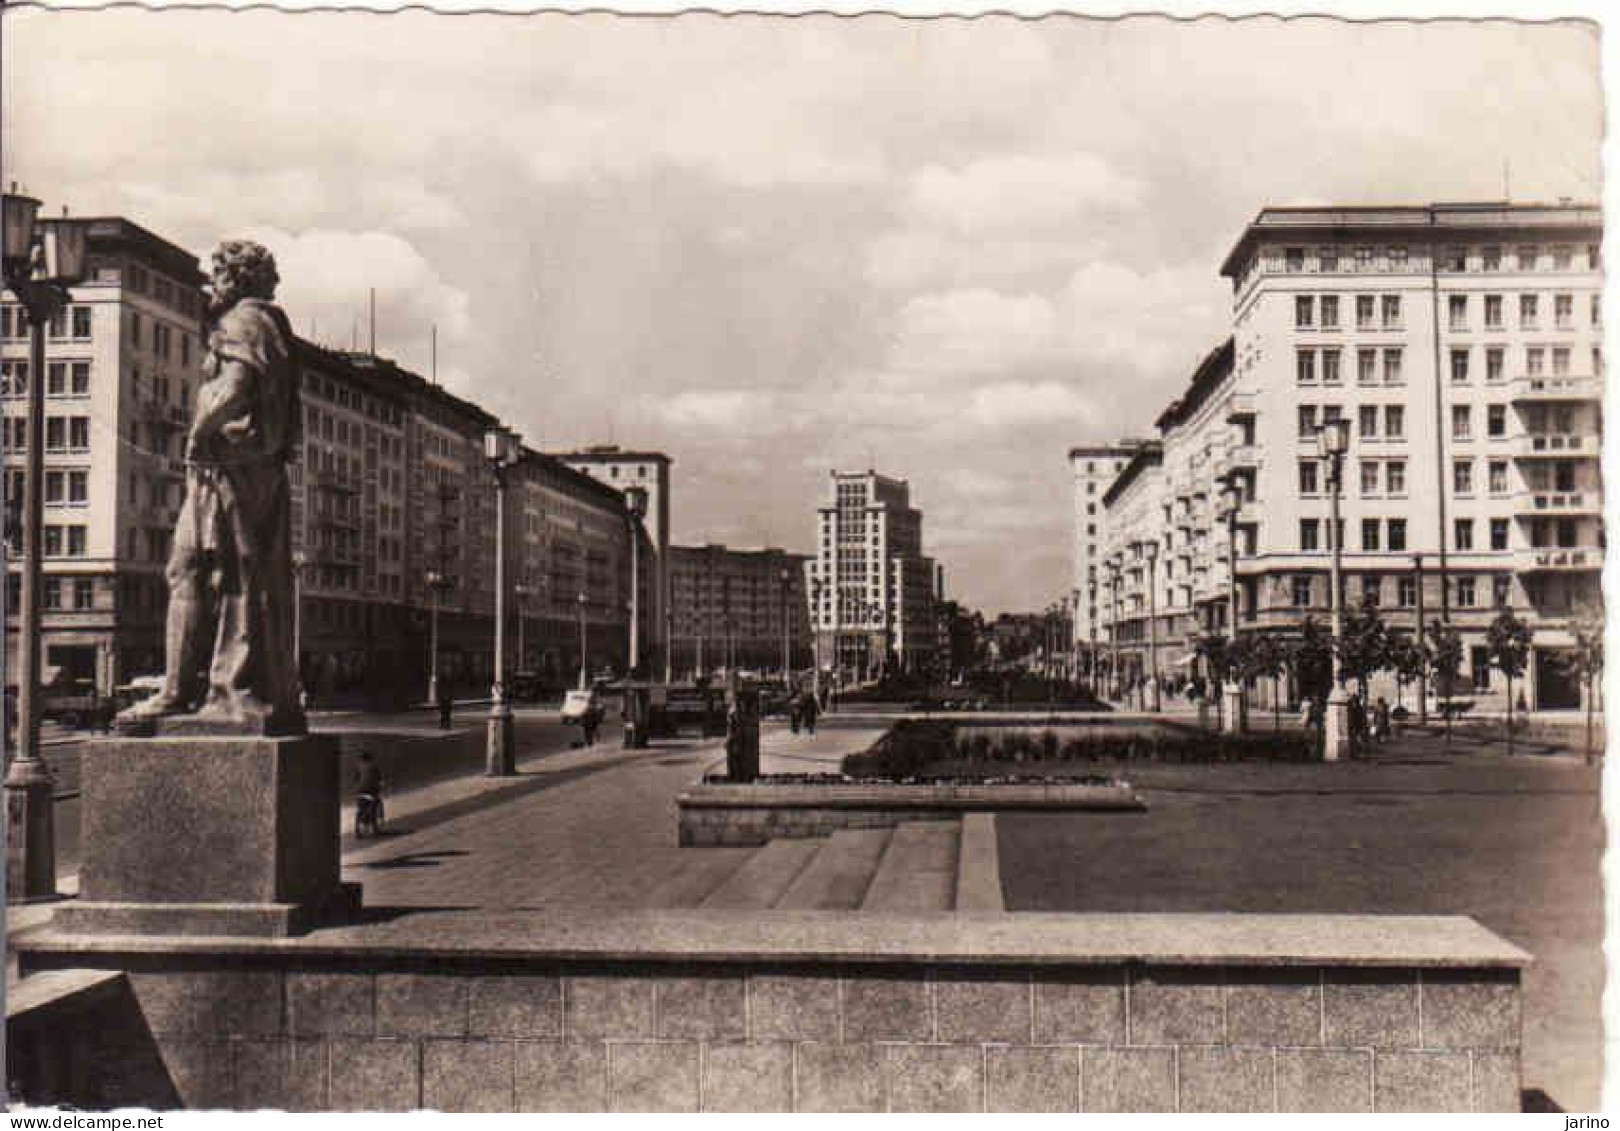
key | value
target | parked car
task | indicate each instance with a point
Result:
(578, 705)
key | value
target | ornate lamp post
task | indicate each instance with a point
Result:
(1332, 441)
(503, 451)
(39, 261)
(437, 583)
(1150, 551)
(635, 502)
(1236, 708)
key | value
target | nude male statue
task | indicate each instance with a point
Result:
(230, 572)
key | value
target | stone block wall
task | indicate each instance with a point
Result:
(396, 1032)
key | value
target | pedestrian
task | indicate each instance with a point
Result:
(795, 710)
(1381, 720)
(446, 705)
(589, 721)
(811, 710)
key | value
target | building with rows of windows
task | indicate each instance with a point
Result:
(1093, 469)
(737, 608)
(874, 593)
(390, 489)
(1462, 342)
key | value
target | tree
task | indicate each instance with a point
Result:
(1445, 655)
(1311, 659)
(1587, 660)
(1267, 658)
(1408, 658)
(1508, 642)
(1363, 650)
(1213, 649)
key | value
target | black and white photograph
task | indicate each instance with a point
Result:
(700, 561)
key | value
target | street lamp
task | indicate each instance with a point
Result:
(787, 630)
(38, 260)
(635, 503)
(1332, 441)
(1150, 551)
(437, 583)
(503, 451)
(1112, 563)
(1236, 708)
(584, 671)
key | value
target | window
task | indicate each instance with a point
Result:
(1459, 367)
(1371, 589)
(1490, 257)
(1499, 533)
(1364, 258)
(1462, 534)
(1564, 311)
(1391, 308)
(1457, 311)
(1309, 529)
(1304, 310)
(1496, 420)
(1465, 596)
(1392, 367)
(75, 541)
(1397, 258)
(1294, 260)
(1394, 422)
(1305, 366)
(1535, 361)
(1328, 259)
(1364, 312)
(81, 322)
(1406, 592)
(1493, 364)
(1307, 422)
(55, 433)
(1597, 361)
(13, 378)
(1501, 591)
(52, 586)
(79, 433)
(53, 540)
(1498, 477)
(1395, 477)
(1330, 367)
(84, 592)
(78, 486)
(1366, 367)
(1527, 257)
(1369, 478)
(1462, 477)
(55, 486)
(1454, 259)
(1562, 256)
(1560, 361)
(1332, 412)
(1527, 312)
(1462, 426)
(1594, 257)
(1493, 312)
(1369, 534)
(134, 329)
(1330, 312)
(1367, 418)
(1595, 314)
(1397, 534)
(1309, 477)
(55, 378)
(1302, 591)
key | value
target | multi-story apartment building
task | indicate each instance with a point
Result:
(389, 486)
(122, 364)
(621, 468)
(1462, 343)
(872, 589)
(1093, 468)
(736, 608)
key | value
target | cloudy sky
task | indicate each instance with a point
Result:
(771, 247)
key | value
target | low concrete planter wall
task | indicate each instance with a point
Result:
(812, 1011)
(753, 814)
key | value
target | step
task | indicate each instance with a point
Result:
(837, 878)
(918, 869)
(978, 868)
(762, 879)
(701, 871)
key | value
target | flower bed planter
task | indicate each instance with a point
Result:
(720, 812)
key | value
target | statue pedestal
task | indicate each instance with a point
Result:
(230, 835)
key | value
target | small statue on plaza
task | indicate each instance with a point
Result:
(230, 570)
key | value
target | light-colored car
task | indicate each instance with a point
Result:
(580, 704)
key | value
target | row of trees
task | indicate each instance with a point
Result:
(1369, 645)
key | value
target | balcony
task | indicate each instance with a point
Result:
(1240, 406)
(1559, 559)
(1554, 445)
(1558, 502)
(1541, 389)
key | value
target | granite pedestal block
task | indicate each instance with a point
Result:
(209, 835)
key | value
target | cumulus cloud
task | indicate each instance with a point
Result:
(1022, 192)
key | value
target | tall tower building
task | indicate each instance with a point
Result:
(873, 591)
(1092, 468)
